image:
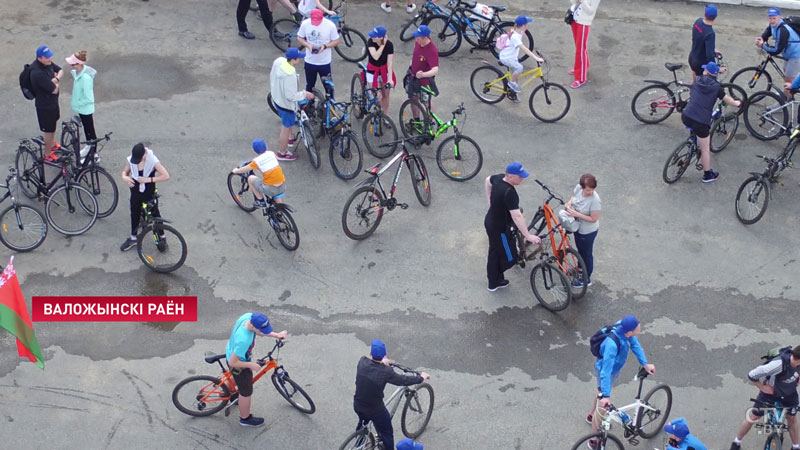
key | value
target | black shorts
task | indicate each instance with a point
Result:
(700, 129)
(697, 68)
(244, 381)
(48, 118)
(791, 402)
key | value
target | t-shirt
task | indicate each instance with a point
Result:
(319, 35)
(424, 59)
(387, 50)
(703, 43)
(43, 86)
(267, 163)
(306, 6)
(503, 199)
(512, 49)
(585, 205)
(241, 341)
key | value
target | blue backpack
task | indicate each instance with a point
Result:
(599, 337)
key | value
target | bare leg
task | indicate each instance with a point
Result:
(744, 428)
(793, 429)
(284, 140)
(286, 4)
(593, 413)
(49, 138)
(705, 152)
(786, 91)
(383, 99)
(244, 407)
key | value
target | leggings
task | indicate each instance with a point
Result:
(88, 127)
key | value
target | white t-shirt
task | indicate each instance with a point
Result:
(585, 205)
(306, 6)
(512, 49)
(319, 35)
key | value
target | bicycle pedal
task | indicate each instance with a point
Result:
(403, 205)
(633, 441)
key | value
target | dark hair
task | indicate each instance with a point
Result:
(796, 352)
(588, 180)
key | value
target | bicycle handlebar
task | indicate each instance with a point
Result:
(107, 137)
(376, 89)
(552, 195)
(404, 368)
(459, 110)
(278, 344)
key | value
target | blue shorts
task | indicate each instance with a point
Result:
(288, 118)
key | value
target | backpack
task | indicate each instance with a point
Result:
(599, 337)
(25, 82)
(793, 22)
(778, 352)
(502, 41)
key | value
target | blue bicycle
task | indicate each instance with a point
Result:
(376, 128)
(773, 423)
(333, 119)
(424, 13)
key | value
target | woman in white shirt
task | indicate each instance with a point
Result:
(584, 206)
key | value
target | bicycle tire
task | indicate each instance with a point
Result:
(310, 142)
(445, 29)
(200, 410)
(774, 441)
(553, 93)
(60, 200)
(663, 414)
(410, 125)
(23, 221)
(345, 155)
(724, 126)
(504, 27)
(483, 81)
(360, 439)
(25, 163)
(239, 189)
(761, 117)
(760, 189)
(415, 404)
(358, 96)
(287, 30)
(70, 136)
(369, 213)
(272, 104)
(656, 97)
(538, 222)
(575, 267)
(553, 283)
(286, 229)
(378, 129)
(420, 180)
(155, 246)
(355, 44)
(604, 438)
(280, 386)
(406, 33)
(746, 79)
(458, 161)
(680, 159)
(90, 178)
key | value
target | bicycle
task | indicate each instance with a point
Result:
(773, 423)
(159, 253)
(279, 215)
(459, 157)
(724, 123)
(60, 201)
(369, 199)
(769, 115)
(478, 24)
(756, 78)
(418, 407)
(353, 47)
(490, 85)
(22, 228)
(204, 395)
(344, 151)
(376, 126)
(304, 125)
(636, 419)
(428, 9)
(756, 188)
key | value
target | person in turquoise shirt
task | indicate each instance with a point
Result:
(83, 92)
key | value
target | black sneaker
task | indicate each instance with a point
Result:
(500, 285)
(251, 421)
(711, 176)
(127, 245)
(735, 446)
(247, 35)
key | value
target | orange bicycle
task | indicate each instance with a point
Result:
(204, 395)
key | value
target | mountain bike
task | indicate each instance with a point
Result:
(305, 125)
(376, 127)
(725, 122)
(756, 188)
(344, 151)
(70, 208)
(428, 9)
(363, 210)
(459, 157)
(773, 423)
(279, 215)
(416, 414)
(756, 78)
(22, 228)
(204, 395)
(159, 245)
(769, 116)
(478, 24)
(643, 418)
(549, 102)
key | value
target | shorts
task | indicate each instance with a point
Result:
(244, 381)
(790, 402)
(48, 118)
(288, 118)
(614, 377)
(702, 130)
(269, 190)
(791, 68)
(697, 68)
(513, 64)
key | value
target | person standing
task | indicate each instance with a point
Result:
(285, 95)
(584, 206)
(425, 59)
(503, 213)
(380, 64)
(410, 6)
(45, 76)
(318, 35)
(787, 42)
(82, 101)
(141, 174)
(241, 14)
(583, 15)
(703, 41)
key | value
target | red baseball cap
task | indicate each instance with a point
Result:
(316, 17)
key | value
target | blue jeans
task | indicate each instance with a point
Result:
(383, 426)
(585, 244)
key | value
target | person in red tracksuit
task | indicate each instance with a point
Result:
(583, 13)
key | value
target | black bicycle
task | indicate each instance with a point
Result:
(22, 228)
(160, 246)
(756, 78)
(377, 128)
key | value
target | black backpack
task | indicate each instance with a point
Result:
(781, 352)
(599, 337)
(25, 82)
(793, 22)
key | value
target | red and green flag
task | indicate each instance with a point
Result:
(14, 316)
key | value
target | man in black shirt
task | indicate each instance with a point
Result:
(45, 76)
(371, 378)
(504, 211)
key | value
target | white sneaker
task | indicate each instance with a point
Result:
(411, 8)
(386, 7)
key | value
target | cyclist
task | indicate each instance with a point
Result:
(697, 114)
(238, 353)
(141, 174)
(509, 55)
(409, 444)
(777, 382)
(680, 438)
(285, 95)
(787, 42)
(318, 35)
(270, 180)
(703, 41)
(371, 377)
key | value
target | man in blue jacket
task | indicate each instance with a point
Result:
(680, 438)
(787, 42)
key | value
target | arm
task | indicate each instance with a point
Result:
(324, 9)
(389, 67)
(761, 374)
(281, 335)
(126, 175)
(796, 83)
(290, 85)
(403, 380)
(429, 74)
(88, 90)
(236, 363)
(245, 168)
(488, 187)
(162, 174)
(376, 52)
(780, 43)
(637, 350)
(711, 49)
(733, 102)
(593, 216)
(332, 44)
(519, 221)
(607, 365)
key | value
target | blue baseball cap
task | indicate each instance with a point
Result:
(44, 52)
(712, 68)
(378, 350)
(628, 323)
(259, 146)
(293, 53)
(515, 168)
(773, 12)
(522, 20)
(377, 32)
(711, 11)
(422, 31)
(677, 427)
(261, 322)
(409, 444)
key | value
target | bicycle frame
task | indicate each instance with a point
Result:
(767, 115)
(441, 126)
(401, 156)
(227, 379)
(635, 408)
(554, 228)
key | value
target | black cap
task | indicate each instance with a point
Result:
(137, 153)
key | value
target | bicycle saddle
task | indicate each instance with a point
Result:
(498, 8)
(673, 66)
(211, 358)
(39, 140)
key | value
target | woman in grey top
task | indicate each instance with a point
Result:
(584, 206)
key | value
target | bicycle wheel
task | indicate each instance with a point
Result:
(66, 214)
(353, 47)
(538, 222)
(307, 134)
(293, 393)
(724, 129)
(751, 80)
(765, 117)
(378, 129)
(200, 395)
(459, 157)
(445, 33)
(678, 162)
(486, 84)
(414, 118)
(70, 136)
(240, 191)
(361, 439)
(22, 228)
(362, 212)
(649, 422)
(551, 104)
(574, 268)
(505, 27)
(411, 26)
(272, 104)
(550, 286)
(102, 185)
(358, 97)
(284, 34)
(653, 103)
(420, 180)
(417, 411)
(607, 442)
(345, 155)
(161, 248)
(285, 229)
(27, 171)
(752, 199)
(774, 442)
